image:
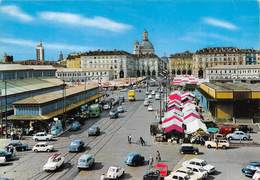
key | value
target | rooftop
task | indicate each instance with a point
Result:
(105, 53)
(185, 54)
(225, 50)
(15, 67)
(83, 70)
(257, 66)
(237, 87)
(48, 97)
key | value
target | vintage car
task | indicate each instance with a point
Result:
(177, 176)
(86, 161)
(201, 163)
(76, 145)
(238, 135)
(74, 126)
(94, 131)
(18, 145)
(251, 168)
(150, 108)
(54, 162)
(42, 136)
(134, 159)
(189, 149)
(152, 174)
(198, 171)
(43, 147)
(114, 172)
(217, 144)
(8, 155)
(256, 175)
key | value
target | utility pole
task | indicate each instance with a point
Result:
(64, 103)
(6, 109)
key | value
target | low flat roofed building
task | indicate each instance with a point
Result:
(231, 100)
(49, 105)
(233, 73)
(84, 74)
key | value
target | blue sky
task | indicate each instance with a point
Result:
(82, 25)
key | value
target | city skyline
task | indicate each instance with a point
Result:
(173, 26)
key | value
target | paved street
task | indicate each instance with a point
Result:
(111, 147)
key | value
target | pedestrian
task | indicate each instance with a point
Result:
(142, 141)
(129, 139)
(12, 135)
(151, 161)
(158, 156)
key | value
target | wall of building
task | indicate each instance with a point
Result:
(74, 62)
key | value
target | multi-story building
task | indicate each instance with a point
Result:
(181, 63)
(40, 53)
(147, 62)
(73, 61)
(121, 62)
(233, 73)
(82, 74)
(211, 57)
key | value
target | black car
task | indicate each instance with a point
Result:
(18, 145)
(134, 159)
(113, 114)
(152, 175)
(245, 128)
(189, 149)
(8, 155)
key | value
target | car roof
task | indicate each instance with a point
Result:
(239, 131)
(14, 141)
(114, 167)
(40, 143)
(197, 160)
(190, 145)
(76, 140)
(255, 163)
(179, 174)
(193, 166)
(132, 154)
(86, 156)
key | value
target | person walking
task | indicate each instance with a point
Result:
(142, 141)
(129, 139)
(150, 161)
(158, 156)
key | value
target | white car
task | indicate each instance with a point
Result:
(150, 96)
(54, 162)
(42, 136)
(2, 160)
(114, 172)
(256, 175)
(43, 147)
(106, 107)
(157, 96)
(217, 144)
(153, 93)
(147, 92)
(178, 176)
(189, 172)
(146, 103)
(199, 162)
(150, 108)
(199, 172)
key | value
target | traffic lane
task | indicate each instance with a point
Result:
(116, 150)
(229, 162)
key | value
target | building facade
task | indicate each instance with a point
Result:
(40, 53)
(234, 72)
(121, 63)
(83, 75)
(181, 63)
(73, 61)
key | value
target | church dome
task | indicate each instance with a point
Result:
(147, 45)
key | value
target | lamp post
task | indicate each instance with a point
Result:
(64, 103)
(6, 109)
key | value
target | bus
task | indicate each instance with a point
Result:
(94, 110)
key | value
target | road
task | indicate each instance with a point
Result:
(111, 148)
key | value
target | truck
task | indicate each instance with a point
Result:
(94, 110)
(131, 95)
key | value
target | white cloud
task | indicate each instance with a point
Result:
(30, 43)
(220, 23)
(78, 20)
(16, 12)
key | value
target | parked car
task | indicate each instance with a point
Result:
(189, 172)
(245, 128)
(94, 131)
(157, 96)
(18, 145)
(226, 129)
(150, 108)
(217, 144)
(114, 172)
(106, 107)
(122, 98)
(146, 103)
(86, 161)
(212, 127)
(198, 140)
(54, 162)
(147, 93)
(42, 136)
(198, 171)
(189, 149)
(251, 168)
(201, 163)
(76, 145)
(238, 135)
(153, 92)
(8, 155)
(152, 174)
(177, 176)
(134, 159)
(43, 147)
(120, 109)
(113, 114)
(74, 126)
(256, 175)
(150, 96)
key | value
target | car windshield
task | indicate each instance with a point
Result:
(74, 143)
(82, 160)
(203, 163)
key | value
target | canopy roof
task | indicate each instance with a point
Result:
(194, 126)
